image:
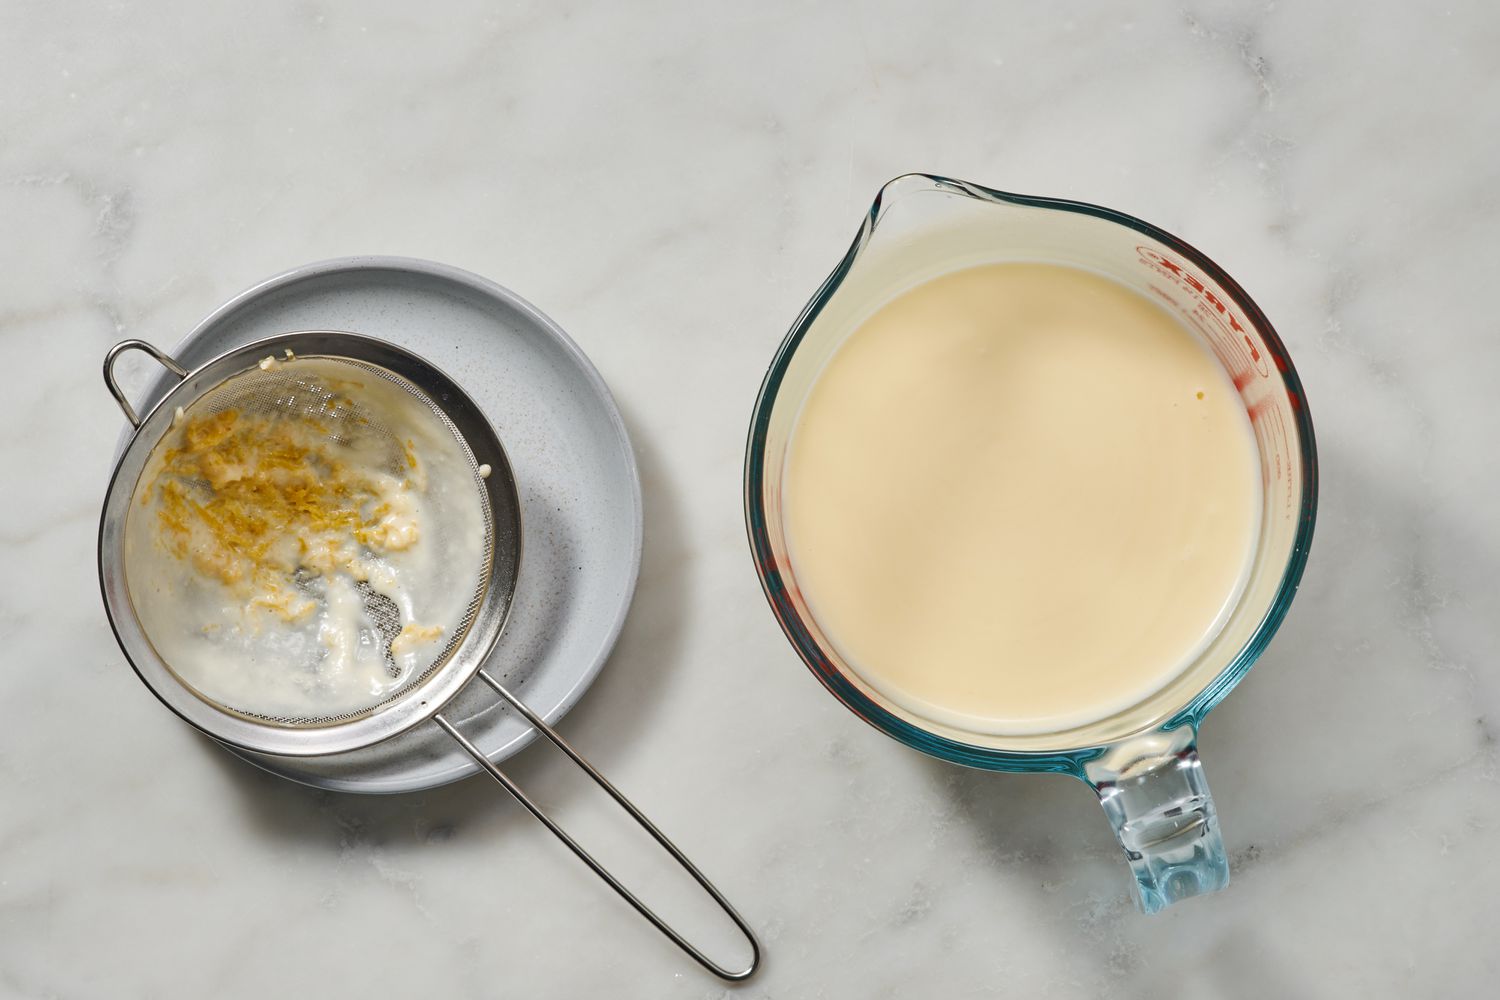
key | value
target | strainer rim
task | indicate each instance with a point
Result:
(382, 722)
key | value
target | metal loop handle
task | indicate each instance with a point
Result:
(162, 358)
(587, 858)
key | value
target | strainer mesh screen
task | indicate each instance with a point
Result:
(296, 518)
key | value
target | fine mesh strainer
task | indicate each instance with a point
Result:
(400, 406)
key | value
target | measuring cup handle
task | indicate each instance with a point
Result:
(162, 358)
(1156, 797)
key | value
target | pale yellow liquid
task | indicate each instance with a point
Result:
(1021, 498)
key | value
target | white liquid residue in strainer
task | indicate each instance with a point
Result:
(307, 541)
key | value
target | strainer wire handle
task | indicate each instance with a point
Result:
(587, 858)
(162, 358)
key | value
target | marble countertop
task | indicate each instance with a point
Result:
(670, 181)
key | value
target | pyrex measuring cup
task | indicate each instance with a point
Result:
(1143, 761)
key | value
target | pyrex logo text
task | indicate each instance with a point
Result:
(1182, 276)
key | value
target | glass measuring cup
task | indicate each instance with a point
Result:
(1142, 762)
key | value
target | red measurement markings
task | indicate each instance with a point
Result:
(1236, 349)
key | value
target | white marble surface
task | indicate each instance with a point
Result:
(670, 182)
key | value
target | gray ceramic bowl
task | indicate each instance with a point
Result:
(574, 467)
